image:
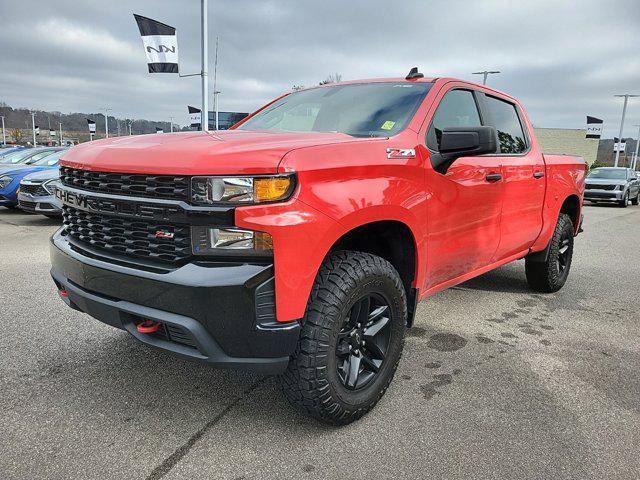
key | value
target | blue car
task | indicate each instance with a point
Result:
(11, 175)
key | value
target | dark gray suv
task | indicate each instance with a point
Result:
(613, 184)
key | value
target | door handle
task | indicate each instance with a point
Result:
(493, 177)
(538, 174)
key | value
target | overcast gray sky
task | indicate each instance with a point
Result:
(562, 59)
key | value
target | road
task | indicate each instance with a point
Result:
(496, 382)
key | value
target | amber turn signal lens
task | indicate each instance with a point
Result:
(271, 189)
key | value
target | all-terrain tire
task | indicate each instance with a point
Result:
(550, 276)
(311, 382)
(636, 201)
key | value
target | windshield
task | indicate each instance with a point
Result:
(15, 157)
(362, 110)
(609, 173)
(49, 159)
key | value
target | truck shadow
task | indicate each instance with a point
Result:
(507, 279)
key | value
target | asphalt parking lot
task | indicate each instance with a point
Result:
(495, 382)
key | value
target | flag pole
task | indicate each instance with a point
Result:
(204, 118)
(215, 82)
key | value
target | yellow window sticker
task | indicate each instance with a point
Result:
(388, 125)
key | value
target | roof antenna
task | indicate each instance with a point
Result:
(414, 73)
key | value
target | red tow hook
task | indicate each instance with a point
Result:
(148, 326)
(63, 293)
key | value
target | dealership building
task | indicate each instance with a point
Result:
(570, 141)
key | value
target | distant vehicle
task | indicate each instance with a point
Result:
(613, 184)
(26, 156)
(12, 175)
(37, 191)
(4, 151)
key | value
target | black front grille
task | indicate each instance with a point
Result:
(131, 237)
(170, 187)
(593, 186)
(35, 189)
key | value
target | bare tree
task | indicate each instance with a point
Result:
(333, 78)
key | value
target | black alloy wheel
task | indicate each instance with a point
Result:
(351, 339)
(363, 341)
(564, 254)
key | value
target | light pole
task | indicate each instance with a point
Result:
(635, 154)
(485, 74)
(60, 124)
(626, 96)
(171, 127)
(106, 121)
(4, 132)
(33, 127)
(205, 63)
(129, 127)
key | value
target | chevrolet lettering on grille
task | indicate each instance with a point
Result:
(110, 206)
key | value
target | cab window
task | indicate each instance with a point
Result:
(505, 119)
(456, 109)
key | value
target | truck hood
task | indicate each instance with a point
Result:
(229, 152)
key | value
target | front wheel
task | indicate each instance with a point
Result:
(636, 201)
(625, 200)
(550, 275)
(351, 339)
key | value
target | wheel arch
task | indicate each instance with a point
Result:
(393, 240)
(571, 206)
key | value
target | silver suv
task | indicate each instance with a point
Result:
(613, 184)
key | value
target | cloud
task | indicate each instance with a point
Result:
(564, 60)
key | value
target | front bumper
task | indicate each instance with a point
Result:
(603, 195)
(219, 313)
(47, 205)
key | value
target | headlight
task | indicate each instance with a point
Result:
(51, 185)
(241, 190)
(230, 241)
(619, 187)
(5, 180)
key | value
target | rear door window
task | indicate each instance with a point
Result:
(505, 119)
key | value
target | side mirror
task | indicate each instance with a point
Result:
(467, 141)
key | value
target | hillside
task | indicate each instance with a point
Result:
(76, 123)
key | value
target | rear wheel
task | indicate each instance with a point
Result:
(351, 340)
(550, 275)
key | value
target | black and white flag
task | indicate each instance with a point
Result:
(37, 130)
(92, 126)
(195, 116)
(159, 130)
(160, 45)
(594, 127)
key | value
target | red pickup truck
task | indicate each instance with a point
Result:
(300, 241)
